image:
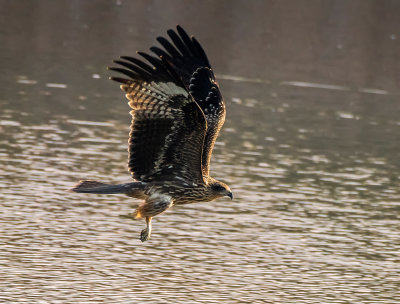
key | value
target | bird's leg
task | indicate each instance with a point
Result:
(146, 232)
(153, 206)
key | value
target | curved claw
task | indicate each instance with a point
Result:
(145, 235)
(146, 232)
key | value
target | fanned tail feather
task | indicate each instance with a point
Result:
(89, 186)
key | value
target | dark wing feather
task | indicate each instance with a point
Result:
(168, 127)
(188, 59)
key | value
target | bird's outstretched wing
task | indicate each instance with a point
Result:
(188, 59)
(168, 127)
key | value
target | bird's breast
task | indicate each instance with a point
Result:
(181, 193)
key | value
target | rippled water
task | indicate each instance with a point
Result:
(310, 149)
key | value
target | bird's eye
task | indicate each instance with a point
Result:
(218, 188)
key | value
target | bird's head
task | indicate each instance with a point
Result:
(219, 189)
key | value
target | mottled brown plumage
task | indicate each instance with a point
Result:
(177, 113)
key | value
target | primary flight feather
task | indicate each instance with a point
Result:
(177, 113)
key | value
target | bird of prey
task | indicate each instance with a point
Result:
(177, 113)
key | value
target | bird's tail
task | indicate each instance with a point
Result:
(89, 186)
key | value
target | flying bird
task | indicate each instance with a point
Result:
(177, 113)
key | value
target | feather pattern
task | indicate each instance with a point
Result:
(176, 104)
(168, 127)
(177, 112)
(186, 56)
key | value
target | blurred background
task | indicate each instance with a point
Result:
(310, 149)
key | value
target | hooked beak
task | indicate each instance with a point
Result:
(230, 195)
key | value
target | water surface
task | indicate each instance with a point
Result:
(310, 149)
